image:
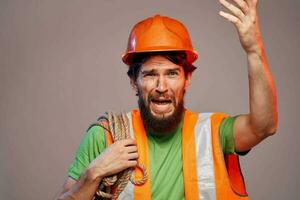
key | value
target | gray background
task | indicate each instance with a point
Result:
(60, 68)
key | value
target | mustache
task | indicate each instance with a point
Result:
(160, 126)
(164, 96)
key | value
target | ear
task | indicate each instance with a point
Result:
(133, 84)
(188, 79)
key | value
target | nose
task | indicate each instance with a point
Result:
(161, 86)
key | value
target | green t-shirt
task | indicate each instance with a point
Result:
(164, 154)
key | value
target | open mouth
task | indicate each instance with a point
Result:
(161, 101)
(161, 105)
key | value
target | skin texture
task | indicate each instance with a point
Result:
(117, 157)
(261, 122)
(160, 79)
(161, 86)
(249, 129)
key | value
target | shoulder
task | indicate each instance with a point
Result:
(91, 145)
(95, 131)
(214, 119)
(93, 140)
(214, 116)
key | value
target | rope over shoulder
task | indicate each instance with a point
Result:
(110, 187)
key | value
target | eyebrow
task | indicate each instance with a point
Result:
(174, 69)
(148, 71)
(154, 70)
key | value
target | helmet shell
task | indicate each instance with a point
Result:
(159, 33)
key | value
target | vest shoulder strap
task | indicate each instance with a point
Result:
(227, 167)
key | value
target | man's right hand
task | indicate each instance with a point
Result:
(117, 157)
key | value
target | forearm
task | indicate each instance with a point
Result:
(84, 188)
(261, 121)
(262, 93)
(119, 156)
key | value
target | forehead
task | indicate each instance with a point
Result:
(159, 62)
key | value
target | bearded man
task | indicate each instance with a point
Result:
(185, 155)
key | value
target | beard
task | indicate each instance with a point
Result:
(164, 124)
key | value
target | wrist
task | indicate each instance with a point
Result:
(254, 55)
(94, 174)
(255, 49)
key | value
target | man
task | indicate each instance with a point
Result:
(181, 150)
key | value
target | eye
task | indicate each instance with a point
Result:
(173, 73)
(149, 74)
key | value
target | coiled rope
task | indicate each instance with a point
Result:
(119, 128)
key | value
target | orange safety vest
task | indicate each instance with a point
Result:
(208, 173)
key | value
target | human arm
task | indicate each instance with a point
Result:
(261, 121)
(71, 187)
(92, 163)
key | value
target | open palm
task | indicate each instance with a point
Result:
(243, 14)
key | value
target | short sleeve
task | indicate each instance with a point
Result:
(91, 145)
(226, 136)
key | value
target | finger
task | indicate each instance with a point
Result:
(131, 149)
(255, 2)
(249, 2)
(230, 18)
(132, 163)
(128, 142)
(133, 156)
(252, 3)
(243, 5)
(236, 11)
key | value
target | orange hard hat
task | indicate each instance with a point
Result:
(159, 33)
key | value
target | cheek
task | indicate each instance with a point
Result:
(178, 92)
(143, 92)
(145, 87)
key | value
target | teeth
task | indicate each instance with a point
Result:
(162, 102)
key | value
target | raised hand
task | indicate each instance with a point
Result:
(243, 14)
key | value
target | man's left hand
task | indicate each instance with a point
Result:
(243, 14)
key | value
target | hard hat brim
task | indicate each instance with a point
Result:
(192, 55)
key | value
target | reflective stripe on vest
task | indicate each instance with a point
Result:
(204, 169)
